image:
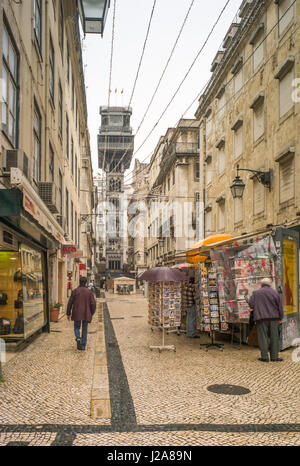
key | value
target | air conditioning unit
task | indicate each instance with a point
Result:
(61, 221)
(8, 241)
(16, 159)
(48, 194)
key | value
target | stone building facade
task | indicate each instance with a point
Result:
(137, 215)
(44, 135)
(249, 117)
(173, 195)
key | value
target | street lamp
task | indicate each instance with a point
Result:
(93, 15)
(238, 186)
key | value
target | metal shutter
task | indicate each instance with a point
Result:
(287, 180)
(258, 197)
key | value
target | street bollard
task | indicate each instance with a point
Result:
(2, 357)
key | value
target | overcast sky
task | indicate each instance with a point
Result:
(131, 23)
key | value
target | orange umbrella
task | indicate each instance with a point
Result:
(194, 257)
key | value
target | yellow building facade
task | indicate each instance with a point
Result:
(44, 141)
(249, 117)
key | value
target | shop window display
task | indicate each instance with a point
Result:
(22, 293)
(10, 293)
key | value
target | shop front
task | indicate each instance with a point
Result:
(232, 269)
(27, 239)
(23, 289)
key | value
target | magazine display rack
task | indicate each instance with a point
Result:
(164, 310)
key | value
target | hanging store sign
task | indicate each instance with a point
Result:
(71, 251)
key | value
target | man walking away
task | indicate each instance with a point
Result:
(82, 304)
(267, 314)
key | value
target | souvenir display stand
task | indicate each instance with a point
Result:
(240, 269)
(207, 303)
(164, 310)
(226, 282)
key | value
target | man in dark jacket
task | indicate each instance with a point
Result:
(83, 305)
(267, 314)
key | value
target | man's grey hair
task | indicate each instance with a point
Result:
(267, 281)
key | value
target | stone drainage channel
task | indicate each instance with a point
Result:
(123, 417)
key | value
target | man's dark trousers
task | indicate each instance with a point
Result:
(77, 325)
(268, 330)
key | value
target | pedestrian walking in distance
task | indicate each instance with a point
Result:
(81, 308)
(267, 311)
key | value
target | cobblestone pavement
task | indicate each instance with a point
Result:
(50, 381)
(156, 398)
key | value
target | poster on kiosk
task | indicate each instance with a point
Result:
(287, 282)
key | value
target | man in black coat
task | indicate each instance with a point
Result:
(267, 314)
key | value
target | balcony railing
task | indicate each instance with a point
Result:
(182, 148)
(116, 145)
(115, 129)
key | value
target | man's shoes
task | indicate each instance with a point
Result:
(78, 344)
(196, 336)
(263, 360)
(277, 360)
(82, 348)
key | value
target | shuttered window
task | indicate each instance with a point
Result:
(209, 124)
(258, 197)
(258, 122)
(197, 170)
(221, 106)
(258, 50)
(208, 173)
(286, 14)
(238, 81)
(238, 210)
(221, 160)
(221, 216)
(238, 141)
(208, 222)
(287, 179)
(285, 92)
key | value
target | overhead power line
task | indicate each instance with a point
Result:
(162, 75)
(227, 84)
(137, 75)
(186, 75)
(166, 66)
(143, 51)
(112, 52)
(110, 71)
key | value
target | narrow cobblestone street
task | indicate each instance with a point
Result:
(156, 398)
